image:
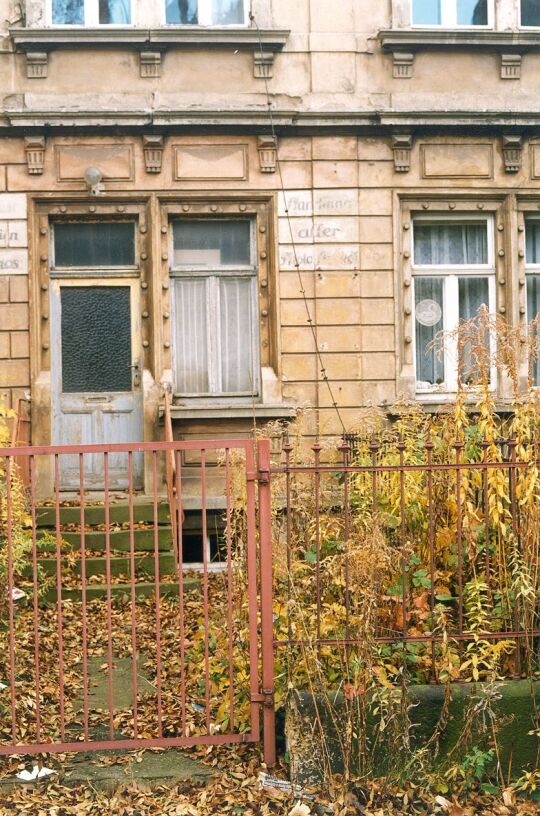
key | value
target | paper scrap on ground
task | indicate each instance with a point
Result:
(35, 773)
(267, 781)
(3, 686)
(17, 594)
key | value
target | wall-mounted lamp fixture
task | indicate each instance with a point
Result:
(93, 178)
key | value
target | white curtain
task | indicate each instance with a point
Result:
(228, 12)
(450, 244)
(68, 12)
(115, 12)
(429, 364)
(237, 333)
(473, 293)
(533, 311)
(190, 337)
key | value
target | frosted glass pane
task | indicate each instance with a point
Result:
(530, 13)
(237, 335)
(473, 293)
(190, 336)
(182, 12)
(114, 12)
(96, 339)
(429, 319)
(427, 12)
(533, 312)
(200, 244)
(68, 12)
(94, 243)
(450, 244)
(228, 12)
(533, 242)
(472, 12)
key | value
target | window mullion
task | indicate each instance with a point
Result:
(205, 12)
(449, 13)
(91, 13)
(212, 333)
(451, 323)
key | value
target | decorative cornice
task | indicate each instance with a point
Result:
(31, 39)
(394, 39)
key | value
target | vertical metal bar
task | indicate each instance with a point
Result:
(317, 451)
(404, 584)
(32, 479)
(287, 448)
(512, 446)
(346, 535)
(181, 608)
(109, 593)
(267, 623)
(459, 532)
(252, 588)
(157, 594)
(485, 490)
(60, 621)
(206, 593)
(230, 590)
(133, 596)
(431, 541)
(84, 597)
(10, 587)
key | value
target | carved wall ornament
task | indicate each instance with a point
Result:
(263, 64)
(37, 63)
(153, 153)
(510, 66)
(34, 147)
(150, 62)
(513, 153)
(403, 65)
(267, 147)
(402, 146)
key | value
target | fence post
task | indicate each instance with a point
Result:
(267, 612)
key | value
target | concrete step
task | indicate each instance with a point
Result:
(95, 514)
(144, 566)
(97, 592)
(119, 540)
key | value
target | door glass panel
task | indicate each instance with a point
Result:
(96, 339)
(429, 319)
(530, 13)
(183, 12)
(114, 12)
(237, 333)
(427, 12)
(94, 243)
(190, 335)
(533, 242)
(533, 313)
(227, 12)
(472, 12)
(473, 293)
(68, 12)
(211, 244)
(450, 244)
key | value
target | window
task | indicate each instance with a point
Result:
(91, 12)
(453, 275)
(206, 12)
(214, 301)
(91, 244)
(530, 13)
(451, 13)
(532, 228)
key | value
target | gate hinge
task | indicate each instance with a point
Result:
(261, 476)
(264, 698)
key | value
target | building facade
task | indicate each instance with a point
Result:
(234, 200)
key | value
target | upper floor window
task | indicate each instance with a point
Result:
(452, 13)
(454, 275)
(91, 12)
(530, 13)
(532, 227)
(206, 12)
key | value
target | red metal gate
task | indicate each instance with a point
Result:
(111, 637)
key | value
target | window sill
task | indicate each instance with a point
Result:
(420, 39)
(232, 411)
(32, 39)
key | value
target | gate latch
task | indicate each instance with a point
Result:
(264, 698)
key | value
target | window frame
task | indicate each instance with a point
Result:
(91, 16)
(212, 277)
(533, 270)
(451, 274)
(204, 10)
(522, 25)
(449, 18)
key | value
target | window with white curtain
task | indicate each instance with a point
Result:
(530, 13)
(452, 13)
(90, 12)
(532, 227)
(453, 276)
(214, 299)
(206, 12)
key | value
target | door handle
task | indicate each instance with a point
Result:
(136, 369)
